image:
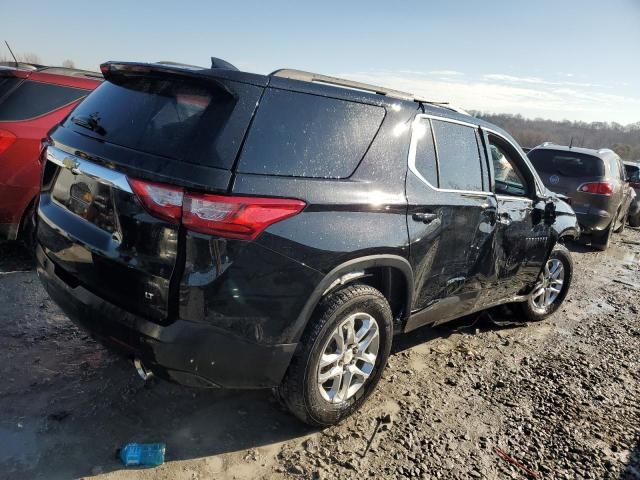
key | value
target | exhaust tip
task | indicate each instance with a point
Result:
(144, 373)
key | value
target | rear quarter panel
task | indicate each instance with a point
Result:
(277, 274)
(20, 163)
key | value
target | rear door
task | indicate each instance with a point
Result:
(451, 218)
(105, 222)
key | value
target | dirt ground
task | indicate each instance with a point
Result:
(478, 398)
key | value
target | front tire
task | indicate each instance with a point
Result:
(340, 357)
(552, 287)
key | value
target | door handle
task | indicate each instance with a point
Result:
(504, 218)
(424, 217)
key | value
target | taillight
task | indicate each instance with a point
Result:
(599, 188)
(164, 201)
(225, 216)
(235, 217)
(6, 140)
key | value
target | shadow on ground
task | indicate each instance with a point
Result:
(67, 403)
(632, 471)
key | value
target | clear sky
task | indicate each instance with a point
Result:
(560, 59)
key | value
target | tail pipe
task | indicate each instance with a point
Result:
(145, 374)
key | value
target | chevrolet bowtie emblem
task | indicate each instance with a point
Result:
(71, 164)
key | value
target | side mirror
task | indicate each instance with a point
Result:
(549, 212)
(544, 210)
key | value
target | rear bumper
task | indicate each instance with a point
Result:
(187, 352)
(594, 221)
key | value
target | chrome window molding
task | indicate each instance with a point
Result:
(78, 165)
(413, 145)
(513, 197)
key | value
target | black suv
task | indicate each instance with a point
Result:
(227, 229)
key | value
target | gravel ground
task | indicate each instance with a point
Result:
(482, 397)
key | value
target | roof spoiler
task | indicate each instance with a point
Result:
(114, 69)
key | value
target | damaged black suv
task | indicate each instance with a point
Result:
(227, 229)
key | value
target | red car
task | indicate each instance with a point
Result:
(33, 99)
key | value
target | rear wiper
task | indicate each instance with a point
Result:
(90, 123)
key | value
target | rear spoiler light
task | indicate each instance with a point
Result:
(221, 215)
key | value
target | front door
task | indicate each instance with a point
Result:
(523, 230)
(451, 218)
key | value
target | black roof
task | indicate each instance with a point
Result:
(316, 84)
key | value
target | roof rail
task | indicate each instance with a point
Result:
(71, 72)
(351, 84)
(605, 150)
(339, 82)
(21, 65)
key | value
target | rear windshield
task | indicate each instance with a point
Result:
(567, 164)
(34, 99)
(6, 84)
(301, 135)
(182, 119)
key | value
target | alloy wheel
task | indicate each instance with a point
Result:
(550, 285)
(348, 357)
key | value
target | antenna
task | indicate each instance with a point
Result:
(11, 52)
(571, 143)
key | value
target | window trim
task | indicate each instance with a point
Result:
(538, 186)
(48, 112)
(411, 159)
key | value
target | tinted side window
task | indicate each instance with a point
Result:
(301, 135)
(458, 156)
(425, 160)
(32, 99)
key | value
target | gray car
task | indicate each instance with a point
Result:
(593, 180)
(632, 170)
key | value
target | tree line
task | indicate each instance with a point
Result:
(32, 58)
(623, 139)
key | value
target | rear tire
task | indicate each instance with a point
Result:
(601, 241)
(634, 220)
(301, 390)
(27, 232)
(533, 309)
(623, 222)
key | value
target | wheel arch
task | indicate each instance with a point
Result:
(365, 269)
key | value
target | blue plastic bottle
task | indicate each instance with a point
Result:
(143, 454)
